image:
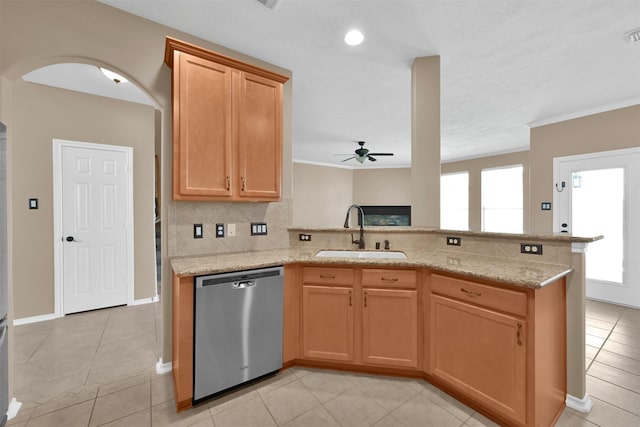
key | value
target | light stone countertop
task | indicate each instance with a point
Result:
(502, 270)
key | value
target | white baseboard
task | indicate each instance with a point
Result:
(145, 300)
(581, 405)
(163, 368)
(14, 407)
(34, 319)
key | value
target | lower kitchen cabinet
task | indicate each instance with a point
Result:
(390, 327)
(500, 348)
(360, 317)
(480, 352)
(327, 323)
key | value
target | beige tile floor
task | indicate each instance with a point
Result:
(97, 369)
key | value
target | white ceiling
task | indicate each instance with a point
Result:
(504, 64)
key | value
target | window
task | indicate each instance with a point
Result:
(454, 201)
(502, 206)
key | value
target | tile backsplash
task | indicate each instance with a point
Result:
(183, 215)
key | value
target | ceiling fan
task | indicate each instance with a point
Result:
(363, 154)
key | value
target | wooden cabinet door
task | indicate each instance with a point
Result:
(202, 102)
(480, 352)
(259, 138)
(390, 327)
(327, 322)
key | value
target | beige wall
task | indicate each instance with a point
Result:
(38, 33)
(63, 114)
(321, 195)
(612, 130)
(382, 186)
(475, 166)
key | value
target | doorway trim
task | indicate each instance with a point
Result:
(58, 145)
(586, 156)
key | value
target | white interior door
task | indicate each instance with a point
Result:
(95, 208)
(599, 194)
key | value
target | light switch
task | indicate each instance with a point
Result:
(197, 231)
(258, 228)
(33, 203)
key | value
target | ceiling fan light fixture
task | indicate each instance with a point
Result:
(633, 36)
(117, 78)
(354, 38)
(361, 159)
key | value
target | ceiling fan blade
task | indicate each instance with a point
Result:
(342, 154)
(381, 154)
(352, 157)
(373, 159)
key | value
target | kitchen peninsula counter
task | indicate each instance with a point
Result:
(530, 293)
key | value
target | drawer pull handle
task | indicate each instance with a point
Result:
(471, 293)
(519, 334)
(327, 276)
(389, 279)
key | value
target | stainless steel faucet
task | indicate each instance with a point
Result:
(359, 242)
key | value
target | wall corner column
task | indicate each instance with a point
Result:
(425, 141)
(577, 397)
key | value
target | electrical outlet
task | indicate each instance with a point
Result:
(304, 237)
(198, 231)
(219, 230)
(258, 228)
(231, 230)
(454, 241)
(531, 248)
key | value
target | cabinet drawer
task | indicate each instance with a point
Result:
(506, 300)
(328, 275)
(380, 278)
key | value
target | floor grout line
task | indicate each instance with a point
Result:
(604, 341)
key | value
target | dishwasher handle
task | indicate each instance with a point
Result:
(244, 284)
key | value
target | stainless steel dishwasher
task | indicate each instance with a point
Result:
(238, 329)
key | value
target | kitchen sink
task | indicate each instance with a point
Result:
(362, 254)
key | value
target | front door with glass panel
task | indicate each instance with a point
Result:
(599, 194)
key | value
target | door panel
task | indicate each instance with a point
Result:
(94, 209)
(480, 352)
(390, 327)
(601, 196)
(327, 322)
(259, 136)
(202, 114)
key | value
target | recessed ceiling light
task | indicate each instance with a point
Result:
(113, 76)
(353, 38)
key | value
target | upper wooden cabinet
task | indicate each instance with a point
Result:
(227, 127)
